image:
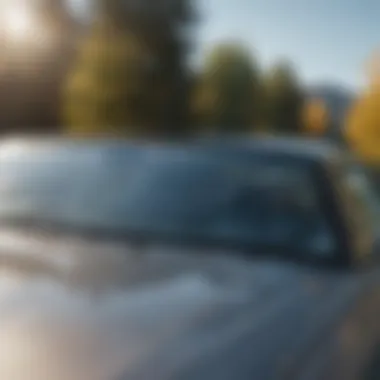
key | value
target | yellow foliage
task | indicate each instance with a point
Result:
(363, 126)
(373, 70)
(102, 94)
(315, 117)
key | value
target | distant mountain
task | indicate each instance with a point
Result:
(337, 98)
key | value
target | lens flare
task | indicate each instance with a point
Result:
(18, 22)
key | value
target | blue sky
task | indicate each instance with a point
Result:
(328, 40)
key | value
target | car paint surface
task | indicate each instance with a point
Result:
(79, 308)
(73, 309)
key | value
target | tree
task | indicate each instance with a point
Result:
(362, 127)
(104, 92)
(226, 94)
(284, 99)
(315, 118)
(131, 75)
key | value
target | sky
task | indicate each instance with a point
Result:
(327, 40)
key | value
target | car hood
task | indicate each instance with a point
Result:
(75, 310)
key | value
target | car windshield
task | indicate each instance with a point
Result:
(168, 192)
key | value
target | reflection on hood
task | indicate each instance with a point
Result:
(48, 331)
(80, 311)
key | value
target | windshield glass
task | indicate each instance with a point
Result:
(168, 192)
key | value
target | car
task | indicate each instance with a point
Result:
(239, 259)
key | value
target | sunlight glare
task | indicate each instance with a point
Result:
(19, 22)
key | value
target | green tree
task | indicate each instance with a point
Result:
(283, 100)
(225, 100)
(104, 92)
(131, 75)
